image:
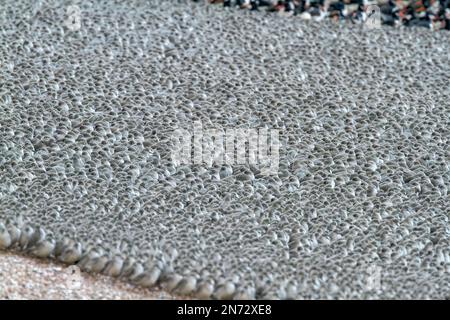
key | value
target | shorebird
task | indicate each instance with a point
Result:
(71, 254)
(14, 233)
(25, 236)
(148, 278)
(225, 291)
(43, 248)
(205, 289)
(186, 286)
(114, 267)
(5, 238)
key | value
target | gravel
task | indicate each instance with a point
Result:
(22, 277)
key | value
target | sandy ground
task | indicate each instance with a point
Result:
(28, 278)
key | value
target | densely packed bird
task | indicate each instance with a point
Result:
(361, 195)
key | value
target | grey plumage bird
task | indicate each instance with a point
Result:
(225, 291)
(94, 262)
(148, 278)
(14, 233)
(136, 271)
(186, 286)
(292, 290)
(25, 236)
(244, 293)
(169, 282)
(43, 248)
(71, 254)
(114, 267)
(99, 264)
(37, 236)
(205, 289)
(128, 267)
(87, 258)
(5, 238)
(60, 245)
